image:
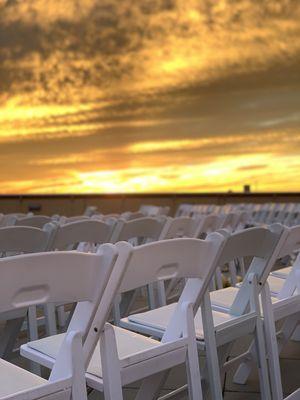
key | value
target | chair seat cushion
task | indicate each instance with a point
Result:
(160, 318)
(128, 345)
(275, 284)
(14, 379)
(224, 297)
(282, 273)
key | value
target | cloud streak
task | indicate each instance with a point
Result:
(167, 95)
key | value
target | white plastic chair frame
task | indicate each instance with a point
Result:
(286, 308)
(184, 258)
(17, 240)
(259, 243)
(82, 278)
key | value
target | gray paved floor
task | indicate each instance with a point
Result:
(290, 366)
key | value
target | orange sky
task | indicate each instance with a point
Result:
(149, 96)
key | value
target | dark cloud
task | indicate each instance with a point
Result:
(146, 71)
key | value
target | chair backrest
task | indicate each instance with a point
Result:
(243, 220)
(290, 246)
(208, 224)
(37, 221)
(153, 211)
(87, 231)
(25, 239)
(263, 246)
(141, 265)
(142, 229)
(167, 259)
(90, 210)
(31, 279)
(184, 210)
(58, 277)
(179, 227)
(230, 222)
(9, 219)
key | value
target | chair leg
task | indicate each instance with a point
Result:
(161, 294)
(61, 316)
(33, 335)
(233, 273)
(212, 360)
(32, 323)
(261, 361)
(219, 280)
(192, 360)
(49, 311)
(193, 379)
(9, 336)
(151, 296)
(151, 386)
(116, 310)
(110, 365)
(126, 302)
(242, 373)
(271, 344)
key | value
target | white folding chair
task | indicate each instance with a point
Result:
(218, 330)
(34, 279)
(284, 305)
(18, 240)
(125, 357)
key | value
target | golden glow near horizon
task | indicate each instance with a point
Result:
(139, 96)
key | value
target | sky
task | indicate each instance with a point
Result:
(108, 96)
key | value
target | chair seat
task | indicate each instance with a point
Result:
(223, 298)
(129, 344)
(282, 273)
(275, 284)
(160, 318)
(14, 379)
